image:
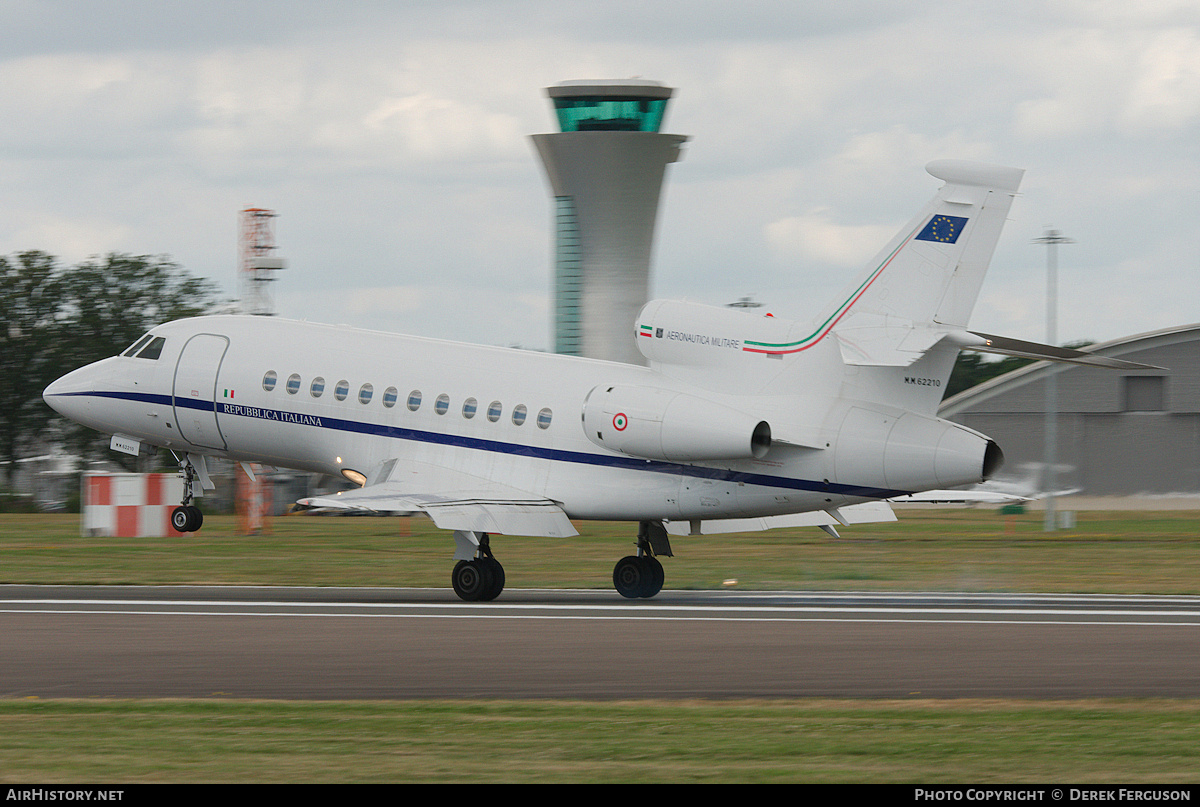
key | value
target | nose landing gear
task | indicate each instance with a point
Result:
(187, 517)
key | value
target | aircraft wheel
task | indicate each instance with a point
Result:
(473, 580)
(186, 518)
(497, 574)
(655, 578)
(631, 577)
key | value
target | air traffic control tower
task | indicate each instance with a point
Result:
(606, 170)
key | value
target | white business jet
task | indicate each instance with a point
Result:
(740, 422)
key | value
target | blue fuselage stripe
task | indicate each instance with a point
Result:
(499, 447)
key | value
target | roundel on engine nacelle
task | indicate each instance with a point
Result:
(668, 425)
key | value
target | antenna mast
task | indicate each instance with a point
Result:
(258, 267)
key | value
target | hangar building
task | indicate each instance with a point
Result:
(1122, 432)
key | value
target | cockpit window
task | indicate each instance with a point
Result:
(154, 349)
(136, 346)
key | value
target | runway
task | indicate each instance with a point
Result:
(323, 643)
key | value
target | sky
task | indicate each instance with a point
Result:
(392, 140)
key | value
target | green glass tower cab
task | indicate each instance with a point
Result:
(606, 168)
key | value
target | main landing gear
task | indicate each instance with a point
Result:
(187, 517)
(641, 575)
(478, 576)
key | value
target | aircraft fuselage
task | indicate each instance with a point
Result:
(339, 400)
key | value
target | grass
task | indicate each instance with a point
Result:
(928, 550)
(925, 742)
(810, 740)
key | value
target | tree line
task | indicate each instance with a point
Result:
(55, 318)
(971, 369)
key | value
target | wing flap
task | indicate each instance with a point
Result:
(865, 513)
(540, 518)
(461, 502)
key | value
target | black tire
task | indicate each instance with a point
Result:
(472, 580)
(181, 519)
(497, 573)
(655, 576)
(629, 577)
(197, 518)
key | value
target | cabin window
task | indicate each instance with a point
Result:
(317, 388)
(153, 350)
(341, 390)
(364, 393)
(269, 380)
(293, 384)
(520, 411)
(494, 410)
(470, 406)
(442, 404)
(390, 395)
(543, 419)
(414, 400)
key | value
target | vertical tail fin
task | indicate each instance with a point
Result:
(923, 285)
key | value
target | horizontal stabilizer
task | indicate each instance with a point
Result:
(865, 513)
(1005, 346)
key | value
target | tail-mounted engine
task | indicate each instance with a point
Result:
(666, 425)
(907, 451)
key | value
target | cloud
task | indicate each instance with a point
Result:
(70, 239)
(392, 140)
(437, 311)
(1165, 92)
(79, 105)
(815, 237)
(1134, 83)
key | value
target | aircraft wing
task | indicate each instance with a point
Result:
(454, 500)
(961, 497)
(980, 495)
(865, 513)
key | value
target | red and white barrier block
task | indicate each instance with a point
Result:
(130, 505)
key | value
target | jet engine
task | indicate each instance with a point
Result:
(912, 452)
(667, 425)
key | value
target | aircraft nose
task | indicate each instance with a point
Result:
(67, 395)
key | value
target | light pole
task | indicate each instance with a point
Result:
(1051, 238)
